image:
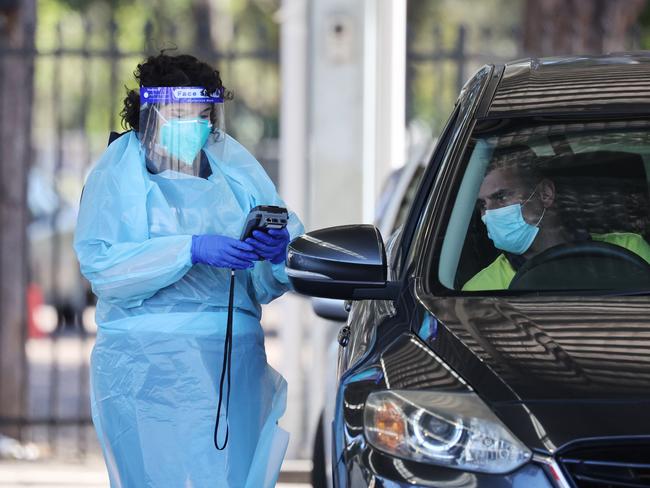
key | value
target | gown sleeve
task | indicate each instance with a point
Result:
(268, 281)
(123, 264)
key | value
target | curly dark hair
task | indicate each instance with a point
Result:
(165, 70)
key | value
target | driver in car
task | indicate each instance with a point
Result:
(517, 206)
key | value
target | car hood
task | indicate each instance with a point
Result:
(546, 349)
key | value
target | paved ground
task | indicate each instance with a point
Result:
(16, 474)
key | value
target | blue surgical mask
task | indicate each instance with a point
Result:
(184, 138)
(508, 229)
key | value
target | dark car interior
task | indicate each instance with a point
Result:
(598, 192)
(602, 191)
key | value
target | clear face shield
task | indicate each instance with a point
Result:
(175, 124)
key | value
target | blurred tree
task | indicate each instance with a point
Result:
(447, 41)
(85, 5)
(555, 27)
(17, 23)
(644, 28)
(202, 13)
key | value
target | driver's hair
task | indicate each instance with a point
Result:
(520, 159)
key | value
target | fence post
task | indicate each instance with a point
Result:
(410, 74)
(459, 57)
(17, 21)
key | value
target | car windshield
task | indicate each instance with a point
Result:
(551, 207)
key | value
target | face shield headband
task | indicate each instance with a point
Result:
(175, 124)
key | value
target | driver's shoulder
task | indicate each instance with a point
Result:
(496, 276)
(629, 240)
(619, 238)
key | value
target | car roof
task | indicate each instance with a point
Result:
(577, 85)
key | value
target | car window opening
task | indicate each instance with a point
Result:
(551, 207)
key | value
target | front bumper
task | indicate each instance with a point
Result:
(373, 469)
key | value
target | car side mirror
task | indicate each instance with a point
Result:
(346, 262)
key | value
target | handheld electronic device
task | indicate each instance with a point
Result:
(265, 217)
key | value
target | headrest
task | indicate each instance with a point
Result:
(595, 164)
(601, 191)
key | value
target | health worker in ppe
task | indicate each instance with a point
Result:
(158, 238)
(518, 207)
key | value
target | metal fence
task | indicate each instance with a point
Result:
(439, 62)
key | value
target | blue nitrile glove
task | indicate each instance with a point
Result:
(222, 252)
(271, 244)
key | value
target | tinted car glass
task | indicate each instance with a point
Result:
(409, 196)
(551, 207)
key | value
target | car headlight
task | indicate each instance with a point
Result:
(455, 430)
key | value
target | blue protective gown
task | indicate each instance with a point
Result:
(161, 322)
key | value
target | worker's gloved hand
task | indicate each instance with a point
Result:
(222, 252)
(270, 245)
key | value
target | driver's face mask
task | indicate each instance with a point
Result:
(184, 138)
(508, 229)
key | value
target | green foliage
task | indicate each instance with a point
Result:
(644, 27)
(433, 38)
(86, 5)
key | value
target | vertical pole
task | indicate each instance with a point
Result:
(17, 21)
(202, 16)
(460, 57)
(83, 406)
(353, 121)
(55, 263)
(370, 109)
(437, 64)
(384, 96)
(409, 88)
(293, 186)
(392, 82)
(113, 66)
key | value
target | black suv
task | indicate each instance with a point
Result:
(501, 338)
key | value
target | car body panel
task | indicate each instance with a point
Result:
(550, 348)
(574, 85)
(386, 470)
